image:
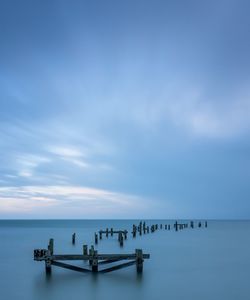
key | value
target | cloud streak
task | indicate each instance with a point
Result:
(70, 201)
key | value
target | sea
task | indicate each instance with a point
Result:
(210, 263)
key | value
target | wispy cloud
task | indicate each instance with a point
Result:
(63, 200)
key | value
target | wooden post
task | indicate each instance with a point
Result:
(48, 266)
(100, 234)
(95, 262)
(161, 226)
(147, 229)
(112, 231)
(49, 252)
(51, 246)
(134, 231)
(199, 224)
(206, 224)
(120, 238)
(192, 224)
(96, 238)
(91, 254)
(125, 234)
(107, 232)
(176, 226)
(73, 238)
(139, 260)
(168, 226)
(85, 249)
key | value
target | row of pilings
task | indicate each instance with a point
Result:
(141, 229)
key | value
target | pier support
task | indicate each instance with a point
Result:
(73, 238)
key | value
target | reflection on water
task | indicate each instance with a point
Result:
(210, 263)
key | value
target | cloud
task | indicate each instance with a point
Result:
(66, 151)
(57, 201)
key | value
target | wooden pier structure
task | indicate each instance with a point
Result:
(95, 260)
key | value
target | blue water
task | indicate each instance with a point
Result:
(201, 263)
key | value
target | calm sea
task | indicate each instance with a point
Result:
(202, 263)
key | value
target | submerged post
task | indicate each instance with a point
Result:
(96, 238)
(73, 238)
(49, 253)
(139, 260)
(107, 232)
(91, 254)
(176, 226)
(95, 262)
(120, 238)
(51, 246)
(85, 250)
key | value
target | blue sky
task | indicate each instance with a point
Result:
(124, 109)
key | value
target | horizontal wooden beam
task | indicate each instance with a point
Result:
(98, 256)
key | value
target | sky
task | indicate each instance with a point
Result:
(125, 109)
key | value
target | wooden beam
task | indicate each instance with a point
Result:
(70, 267)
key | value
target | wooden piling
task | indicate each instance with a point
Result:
(112, 231)
(107, 232)
(95, 262)
(176, 226)
(85, 249)
(100, 235)
(96, 238)
(139, 260)
(73, 238)
(51, 246)
(91, 254)
(120, 238)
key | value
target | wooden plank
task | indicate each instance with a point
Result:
(99, 256)
(121, 266)
(70, 267)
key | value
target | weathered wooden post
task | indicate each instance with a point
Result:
(192, 224)
(49, 253)
(107, 232)
(169, 227)
(206, 224)
(91, 254)
(139, 260)
(125, 234)
(73, 238)
(100, 234)
(134, 231)
(48, 266)
(199, 224)
(95, 262)
(161, 226)
(120, 238)
(112, 231)
(156, 226)
(96, 238)
(85, 250)
(147, 229)
(176, 226)
(51, 246)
